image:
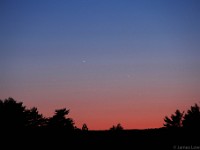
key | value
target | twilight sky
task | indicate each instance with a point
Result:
(129, 61)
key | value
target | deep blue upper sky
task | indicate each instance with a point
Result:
(93, 45)
(55, 33)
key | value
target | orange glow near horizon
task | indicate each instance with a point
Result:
(100, 110)
(101, 105)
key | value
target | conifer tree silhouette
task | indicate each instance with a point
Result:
(60, 121)
(34, 119)
(12, 114)
(192, 118)
(84, 127)
(175, 121)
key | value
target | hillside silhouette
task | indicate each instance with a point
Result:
(21, 127)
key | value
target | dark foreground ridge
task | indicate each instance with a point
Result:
(126, 139)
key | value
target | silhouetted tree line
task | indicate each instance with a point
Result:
(188, 120)
(118, 127)
(14, 115)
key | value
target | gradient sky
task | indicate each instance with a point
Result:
(129, 62)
